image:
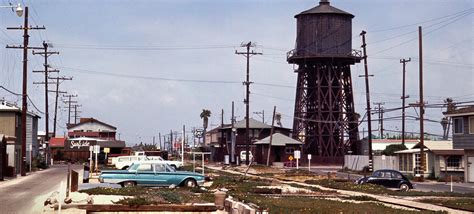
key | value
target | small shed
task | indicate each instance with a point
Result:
(282, 148)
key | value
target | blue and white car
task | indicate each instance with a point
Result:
(150, 173)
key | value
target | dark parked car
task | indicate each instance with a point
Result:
(388, 178)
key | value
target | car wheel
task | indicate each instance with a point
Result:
(404, 187)
(189, 183)
(128, 184)
(125, 167)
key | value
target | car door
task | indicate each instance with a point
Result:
(145, 174)
(397, 179)
(163, 177)
(375, 178)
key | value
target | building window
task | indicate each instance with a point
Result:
(405, 162)
(454, 162)
(289, 150)
(471, 125)
(458, 126)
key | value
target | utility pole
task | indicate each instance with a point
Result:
(69, 107)
(367, 95)
(24, 109)
(422, 105)
(171, 141)
(404, 61)
(247, 83)
(223, 144)
(261, 113)
(76, 116)
(159, 139)
(271, 136)
(232, 149)
(57, 92)
(380, 111)
(46, 54)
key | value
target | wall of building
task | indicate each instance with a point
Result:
(6, 121)
(464, 140)
(94, 127)
(469, 172)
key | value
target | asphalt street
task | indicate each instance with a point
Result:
(425, 186)
(27, 194)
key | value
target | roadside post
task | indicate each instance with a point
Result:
(91, 149)
(291, 160)
(309, 162)
(297, 157)
(96, 151)
(451, 183)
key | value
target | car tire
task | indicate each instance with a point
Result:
(404, 187)
(189, 183)
(128, 184)
(125, 167)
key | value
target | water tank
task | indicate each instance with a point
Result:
(323, 31)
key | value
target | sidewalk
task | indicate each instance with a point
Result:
(385, 199)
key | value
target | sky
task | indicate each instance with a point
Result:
(148, 67)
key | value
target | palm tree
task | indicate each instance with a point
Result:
(205, 114)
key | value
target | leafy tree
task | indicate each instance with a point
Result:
(392, 148)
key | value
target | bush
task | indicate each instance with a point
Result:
(392, 148)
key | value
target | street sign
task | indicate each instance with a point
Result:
(309, 156)
(290, 158)
(106, 150)
(198, 133)
(297, 154)
(96, 149)
(91, 148)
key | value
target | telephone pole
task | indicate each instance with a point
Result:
(380, 111)
(232, 149)
(57, 92)
(46, 54)
(247, 83)
(367, 95)
(422, 105)
(69, 107)
(76, 116)
(261, 113)
(404, 61)
(24, 109)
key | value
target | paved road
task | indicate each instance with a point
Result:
(27, 194)
(425, 187)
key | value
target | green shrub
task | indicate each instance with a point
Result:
(392, 148)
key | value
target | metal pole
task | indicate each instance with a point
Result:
(422, 109)
(182, 145)
(202, 157)
(367, 94)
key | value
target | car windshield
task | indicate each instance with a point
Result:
(133, 166)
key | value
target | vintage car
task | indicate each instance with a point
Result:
(389, 179)
(123, 162)
(150, 173)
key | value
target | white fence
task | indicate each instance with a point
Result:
(358, 162)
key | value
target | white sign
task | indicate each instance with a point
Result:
(297, 154)
(309, 156)
(96, 149)
(79, 144)
(91, 148)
